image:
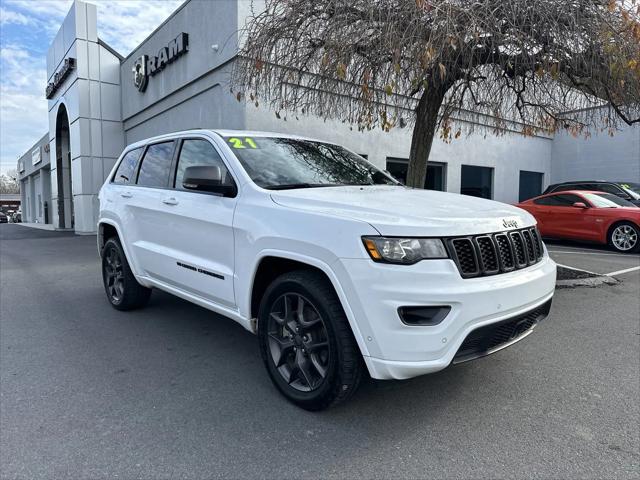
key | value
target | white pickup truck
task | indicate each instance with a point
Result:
(334, 265)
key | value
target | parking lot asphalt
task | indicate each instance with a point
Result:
(594, 258)
(174, 390)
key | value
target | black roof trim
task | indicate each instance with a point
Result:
(110, 49)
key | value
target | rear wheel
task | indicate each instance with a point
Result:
(123, 290)
(625, 237)
(306, 342)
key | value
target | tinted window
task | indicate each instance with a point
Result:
(545, 201)
(280, 163)
(606, 187)
(156, 164)
(436, 173)
(477, 181)
(398, 167)
(199, 153)
(127, 168)
(530, 184)
(561, 200)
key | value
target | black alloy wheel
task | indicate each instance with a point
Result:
(122, 289)
(113, 275)
(298, 342)
(306, 342)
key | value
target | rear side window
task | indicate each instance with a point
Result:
(199, 153)
(127, 169)
(156, 165)
(561, 200)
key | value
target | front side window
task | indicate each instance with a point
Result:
(156, 165)
(283, 163)
(632, 189)
(127, 168)
(199, 153)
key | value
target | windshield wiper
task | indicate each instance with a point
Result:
(291, 186)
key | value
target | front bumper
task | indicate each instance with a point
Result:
(395, 350)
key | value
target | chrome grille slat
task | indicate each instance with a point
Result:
(492, 254)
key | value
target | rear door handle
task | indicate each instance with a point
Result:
(170, 201)
(126, 195)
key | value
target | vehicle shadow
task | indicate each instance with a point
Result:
(595, 247)
(214, 365)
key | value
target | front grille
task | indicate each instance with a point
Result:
(490, 338)
(496, 253)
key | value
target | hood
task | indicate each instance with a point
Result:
(401, 211)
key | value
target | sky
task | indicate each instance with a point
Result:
(27, 28)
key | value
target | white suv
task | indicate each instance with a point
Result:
(335, 265)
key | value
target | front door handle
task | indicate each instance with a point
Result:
(170, 201)
(126, 195)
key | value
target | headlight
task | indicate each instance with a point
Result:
(404, 250)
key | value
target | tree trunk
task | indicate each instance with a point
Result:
(423, 133)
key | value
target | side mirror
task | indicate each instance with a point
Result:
(580, 205)
(207, 179)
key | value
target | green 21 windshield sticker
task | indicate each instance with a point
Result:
(245, 142)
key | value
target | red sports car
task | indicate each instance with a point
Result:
(589, 216)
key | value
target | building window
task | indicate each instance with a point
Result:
(477, 181)
(436, 173)
(530, 185)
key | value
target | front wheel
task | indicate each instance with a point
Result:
(306, 343)
(122, 289)
(625, 237)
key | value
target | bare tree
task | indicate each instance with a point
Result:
(9, 182)
(437, 63)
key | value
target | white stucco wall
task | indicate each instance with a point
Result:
(599, 157)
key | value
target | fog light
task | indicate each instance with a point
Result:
(423, 316)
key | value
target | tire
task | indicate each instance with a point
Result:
(122, 289)
(624, 237)
(296, 359)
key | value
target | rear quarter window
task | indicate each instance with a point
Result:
(126, 171)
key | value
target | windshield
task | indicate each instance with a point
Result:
(282, 163)
(633, 189)
(607, 200)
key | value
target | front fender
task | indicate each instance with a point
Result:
(245, 303)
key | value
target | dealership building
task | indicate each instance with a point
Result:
(178, 78)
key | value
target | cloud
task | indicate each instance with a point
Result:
(8, 17)
(23, 109)
(29, 27)
(123, 24)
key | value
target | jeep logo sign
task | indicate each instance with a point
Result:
(146, 65)
(509, 223)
